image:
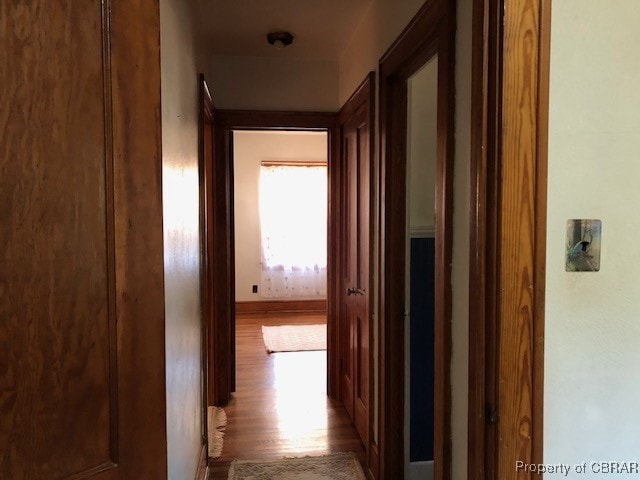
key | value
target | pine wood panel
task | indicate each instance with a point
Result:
(509, 155)
(280, 407)
(521, 237)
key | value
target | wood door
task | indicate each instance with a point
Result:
(221, 265)
(354, 326)
(82, 368)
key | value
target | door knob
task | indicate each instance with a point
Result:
(355, 291)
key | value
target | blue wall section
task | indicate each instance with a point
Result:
(421, 309)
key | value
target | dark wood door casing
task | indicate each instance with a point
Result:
(222, 269)
(222, 341)
(205, 174)
(81, 282)
(431, 32)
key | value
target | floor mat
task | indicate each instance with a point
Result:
(295, 338)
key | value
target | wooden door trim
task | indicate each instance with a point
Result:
(510, 95)
(218, 256)
(431, 31)
(228, 120)
(482, 431)
(232, 264)
(223, 266)
(205, 118)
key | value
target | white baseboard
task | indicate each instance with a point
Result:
(420, 471)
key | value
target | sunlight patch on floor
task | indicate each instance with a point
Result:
(301, 403)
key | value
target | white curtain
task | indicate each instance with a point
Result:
(293, 222)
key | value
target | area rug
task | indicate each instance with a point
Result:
(217, 422)
(295, 338)
(337, 466)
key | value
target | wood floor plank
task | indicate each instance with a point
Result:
(281, 407)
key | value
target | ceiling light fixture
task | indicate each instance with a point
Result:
(280, 39)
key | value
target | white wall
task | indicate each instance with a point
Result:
(267, 83)
(379, 27)
(592, 324)
(181, 239)
(421, 138)
(250, 148)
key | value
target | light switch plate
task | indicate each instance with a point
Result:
(583, 245)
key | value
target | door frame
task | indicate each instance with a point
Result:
(228, 120)
(216, 252)
(431, 31)
(205, 120)
(509, 118)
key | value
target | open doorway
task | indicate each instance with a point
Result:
(348, 360)
(280, 405)
(422, 127)
(424, 51)
(280, 211)
(281, 186)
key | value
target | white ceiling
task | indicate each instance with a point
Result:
(239, 27)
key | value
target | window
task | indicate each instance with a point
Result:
(293, 222)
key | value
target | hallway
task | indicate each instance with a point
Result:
(280, 407)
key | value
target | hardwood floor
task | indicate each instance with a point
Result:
(280, 407)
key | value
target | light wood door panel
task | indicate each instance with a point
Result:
(81, 293)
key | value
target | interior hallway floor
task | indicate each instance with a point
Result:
(280, 407)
